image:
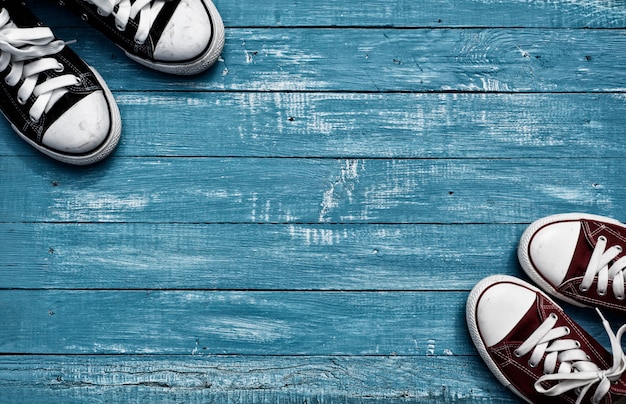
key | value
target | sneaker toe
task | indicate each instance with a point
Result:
(81, 129)
(187, 34)
(551, 249)
(500, 309)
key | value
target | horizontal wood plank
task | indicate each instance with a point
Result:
(245, 379)
(238, 322)
(400, 13)
(418, 125)
(293, 190)
(379, 60)
(254, 257)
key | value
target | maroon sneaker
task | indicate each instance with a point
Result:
(578, 258)
(538, 351)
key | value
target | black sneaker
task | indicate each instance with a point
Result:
(52, 99)
(173, 36)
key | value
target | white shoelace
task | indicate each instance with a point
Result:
(599, 265)
(575, 371)
(147, 10)
(25, 50)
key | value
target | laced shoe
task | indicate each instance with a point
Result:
(173, 36)
(537, 351)
(578, 258)
(53, 100)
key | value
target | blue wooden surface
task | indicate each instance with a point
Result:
(303, 222)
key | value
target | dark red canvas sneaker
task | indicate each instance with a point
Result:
(51, 97)
(174, 36)
(578, 258)
(538, 351)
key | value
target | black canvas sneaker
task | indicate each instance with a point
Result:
(51, 97)
(173, 36)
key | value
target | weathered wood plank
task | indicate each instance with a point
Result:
(375, 60)
(294, 190)
(246, 379)
(255, 257)
(401, 13)
(357, 125)
(238, 322)
(269, 323)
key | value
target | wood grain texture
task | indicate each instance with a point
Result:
(383, 60)
(358, 125)
(297, 190)
(243, 379)
(255, 257)
(303, 223)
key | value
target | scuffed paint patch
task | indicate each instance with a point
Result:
(341, 188)
(315, 236)
(85, 205)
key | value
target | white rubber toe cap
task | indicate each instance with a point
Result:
(187, 34)
(500, 309)
(552, 249)
(81, 129)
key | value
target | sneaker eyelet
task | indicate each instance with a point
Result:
(61, 3)
(84, 17)
(532, 364)
(21, 101)
(619, 248)
(119, 27)
(601, 238)
(60, 68)
(620, 297)
(602, 293)
(79, 80)
(138, 42)
(553, 315)
(583, 288)
(567, 330)
(578, 344)
(517, 354)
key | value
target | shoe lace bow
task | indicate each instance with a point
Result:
(25, 50)
(575, 370)
(599, 266)
(144, 12)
